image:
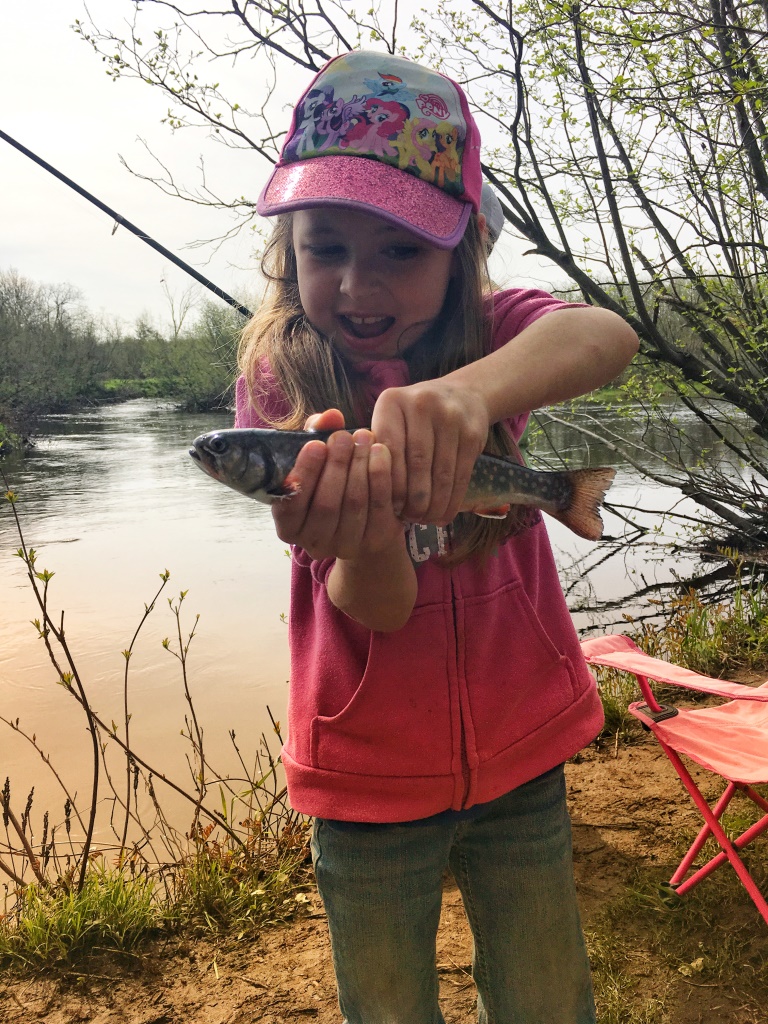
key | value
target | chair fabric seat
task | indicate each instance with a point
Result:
(731, 739)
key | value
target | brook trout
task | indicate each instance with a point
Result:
(258, 464)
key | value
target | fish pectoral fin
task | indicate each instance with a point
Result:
(495, 512)
(287, 488)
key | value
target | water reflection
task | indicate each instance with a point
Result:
(110, 499)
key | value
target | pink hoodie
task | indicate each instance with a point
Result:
(484, 688)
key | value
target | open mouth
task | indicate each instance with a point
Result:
(366, 327)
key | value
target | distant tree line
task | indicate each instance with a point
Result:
(55, 355)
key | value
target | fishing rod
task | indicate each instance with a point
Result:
(119, 219)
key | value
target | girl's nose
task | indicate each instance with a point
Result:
(359, 278)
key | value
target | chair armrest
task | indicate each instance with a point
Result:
(621, 653)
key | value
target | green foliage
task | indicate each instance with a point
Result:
(716, 639)
(51, 925)
(217, 888)
(54, 356)
(48, 351)
(9, 441)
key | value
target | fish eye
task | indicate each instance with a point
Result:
(217, 445)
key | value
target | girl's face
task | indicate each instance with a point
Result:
(371, 287)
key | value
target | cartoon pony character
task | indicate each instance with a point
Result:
(302, 139)
(389, 87)
(445, 162)
(416, 146)
(382, 120)
(337, 119)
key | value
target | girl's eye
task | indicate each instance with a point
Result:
(326, 253)
(402, 252)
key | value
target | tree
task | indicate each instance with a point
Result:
(630, 147)
(49, 350)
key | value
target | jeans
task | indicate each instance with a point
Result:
(382, 890)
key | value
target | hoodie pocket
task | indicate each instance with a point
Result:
(517, 677)
(398, 721)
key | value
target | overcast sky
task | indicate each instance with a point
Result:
(59, 102)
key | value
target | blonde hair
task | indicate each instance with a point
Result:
(313, 376)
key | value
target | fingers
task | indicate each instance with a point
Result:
(435, 431)
(321, 523)
(291, 513)
(354, 510)
(330, 419)
(388, 426)
(344, 502)
(380, 510)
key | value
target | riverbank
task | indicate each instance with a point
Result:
(704, 962)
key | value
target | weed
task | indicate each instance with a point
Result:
(58, 923)
(714, 639)
(617, 691)
(241, 863)
(614, 964)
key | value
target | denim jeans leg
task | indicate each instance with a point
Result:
(514, 868)
(382, 891)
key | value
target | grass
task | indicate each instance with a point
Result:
(210, 891)
(216, 889)
(240, 864)
(715, 639)
(712, 937)
(111, 911)
(649, 948)
(612, 959)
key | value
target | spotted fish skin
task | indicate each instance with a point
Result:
(495, 478)
(258, 464)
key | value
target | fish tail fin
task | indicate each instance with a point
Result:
(582, 514)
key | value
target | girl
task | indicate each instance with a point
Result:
(437, 684)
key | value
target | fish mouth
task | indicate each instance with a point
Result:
(203, 458)
(366, 328)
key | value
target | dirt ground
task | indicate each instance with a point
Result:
(622, 804)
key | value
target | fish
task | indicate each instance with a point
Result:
(259, 464)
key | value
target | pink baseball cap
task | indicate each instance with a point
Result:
(383, 135)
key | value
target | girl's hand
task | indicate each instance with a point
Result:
(343, 508)
(435, 431)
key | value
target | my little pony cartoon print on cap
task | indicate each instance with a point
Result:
(411, 126)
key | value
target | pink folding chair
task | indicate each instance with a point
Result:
(730, 740)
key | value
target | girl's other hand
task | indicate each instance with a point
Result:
(435, 431)
(343, 508)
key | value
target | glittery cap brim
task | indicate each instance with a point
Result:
(370, 186)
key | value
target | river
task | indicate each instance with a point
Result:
(110, 500)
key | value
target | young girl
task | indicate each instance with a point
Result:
(437, 684)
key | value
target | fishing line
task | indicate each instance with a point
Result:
(120, 220)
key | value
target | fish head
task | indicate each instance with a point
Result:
(225, 457)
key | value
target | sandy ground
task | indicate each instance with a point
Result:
(622, 804)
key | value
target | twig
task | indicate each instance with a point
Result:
(34, 863)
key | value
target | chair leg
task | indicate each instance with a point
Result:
(743, 840)
(703, 836)
(754, 795)
(713, 825)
